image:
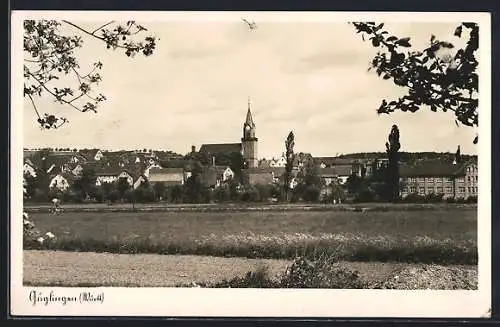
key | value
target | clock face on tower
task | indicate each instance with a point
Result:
(247, 128)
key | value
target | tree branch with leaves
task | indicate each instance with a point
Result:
(437, 79)
(50, 59)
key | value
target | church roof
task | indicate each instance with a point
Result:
(249, 120)
(221, 148)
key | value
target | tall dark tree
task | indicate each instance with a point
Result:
(290, 159)
(435, 77)
(457, 155)
(159, 189)
(194, 186)
(237, 164)
(122, 186)
(392, 147)
(86, 182)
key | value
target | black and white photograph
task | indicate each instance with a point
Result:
(251, 163)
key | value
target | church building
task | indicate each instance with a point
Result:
(247, 147)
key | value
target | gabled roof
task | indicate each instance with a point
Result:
(28, 153)
(110, 171)
(324, 172)
(156, 170)
(333, 161)
(168, 156)
(221, 148)
(59, 159)
(343, 170)
(28, 162)
(434, 168)
(66, 175)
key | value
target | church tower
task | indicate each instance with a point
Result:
(249, 141)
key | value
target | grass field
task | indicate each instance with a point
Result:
(446, 235)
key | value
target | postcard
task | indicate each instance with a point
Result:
(250, 164)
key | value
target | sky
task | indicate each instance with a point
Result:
(307, 77)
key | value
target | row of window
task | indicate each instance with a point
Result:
(439, 180)
(471, 169)
(439, 190)
(470, 189)
(429, 179)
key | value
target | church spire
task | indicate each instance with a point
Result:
(249, 120)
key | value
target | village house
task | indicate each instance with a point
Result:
(77, 171)
(329, 175)
(346, 167)
(69, 156)
(452, 180)
(215, 176)
(268, 175)
(29, 168)
(281, 162)
(92, 155)
(168, 176)
(139, 181)
(112, 175)
(60, 182)
(148, 169)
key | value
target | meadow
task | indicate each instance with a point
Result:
(443, 235)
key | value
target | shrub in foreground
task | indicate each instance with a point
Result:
(326, 272)
(322, 273)
(301, 273)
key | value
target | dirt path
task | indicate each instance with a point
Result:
(58, 268)
(147, 270)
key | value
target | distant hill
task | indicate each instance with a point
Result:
(407, 156)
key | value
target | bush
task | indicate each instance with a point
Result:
(265, 191)
(302, 273)
(253, 279)
(472, 199)
(251, 195)
(144, 194)
(434, 198)
(413, 198)
(114, 196)
(99, 197)
(222, 194)
(34, 237)
(321, 273)
(311, 194)
(365, 195)
(128, 195)
(450, 200)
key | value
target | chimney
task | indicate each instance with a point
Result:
(193, 149)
